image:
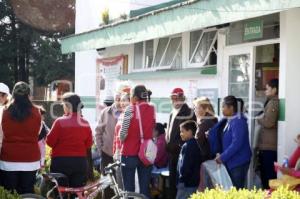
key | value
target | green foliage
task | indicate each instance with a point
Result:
(281, 193)
(4, 194)
(105, 16)
(50, 64)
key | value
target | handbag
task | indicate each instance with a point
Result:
(148, 149)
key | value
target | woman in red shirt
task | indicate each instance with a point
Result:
(20, 153)
(70, 137)
(131, 139)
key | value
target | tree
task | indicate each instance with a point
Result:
(26, 51)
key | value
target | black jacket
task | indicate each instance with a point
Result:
(174, 143)
(188, 169)
(204, 126)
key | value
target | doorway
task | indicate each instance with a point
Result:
(266, 68)
(249, 68)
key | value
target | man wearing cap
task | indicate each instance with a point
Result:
(105, 134)
(180, 113)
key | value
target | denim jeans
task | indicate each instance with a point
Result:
(238, 175)
(184, 192)
(133, 163)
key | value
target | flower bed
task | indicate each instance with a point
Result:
(218, 193)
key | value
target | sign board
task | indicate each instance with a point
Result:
(107, 73)
(253, 30)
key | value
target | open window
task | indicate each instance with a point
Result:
(165, 55)
(168, 53)
(203, 48)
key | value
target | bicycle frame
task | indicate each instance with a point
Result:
(92, 190)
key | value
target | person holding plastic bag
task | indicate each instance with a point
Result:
(131, 139)
(235, 147)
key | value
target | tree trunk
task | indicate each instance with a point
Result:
(15, 38)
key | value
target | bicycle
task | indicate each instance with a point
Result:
(89, 191)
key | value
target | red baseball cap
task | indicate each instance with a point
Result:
(177, 91)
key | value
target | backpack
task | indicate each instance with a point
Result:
(148, 149)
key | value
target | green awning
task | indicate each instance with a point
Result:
(182, 17)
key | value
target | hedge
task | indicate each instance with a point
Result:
(4, 194)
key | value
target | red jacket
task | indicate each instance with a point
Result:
(132, 142)
(294, 157)
(117, 144)
(20, 142)
(70, 135)
(161, 159)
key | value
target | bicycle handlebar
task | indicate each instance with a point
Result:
(109, 167)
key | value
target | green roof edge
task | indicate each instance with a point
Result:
(134, 13)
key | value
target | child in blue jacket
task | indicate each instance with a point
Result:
(189, 162)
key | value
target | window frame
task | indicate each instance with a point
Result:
(210, 50)
(144, 67)
(155, 45)
(160, 67)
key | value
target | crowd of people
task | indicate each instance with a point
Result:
(191, 137)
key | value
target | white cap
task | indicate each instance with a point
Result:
(4, 88)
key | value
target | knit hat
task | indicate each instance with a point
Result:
(4, 88)
(21, 89)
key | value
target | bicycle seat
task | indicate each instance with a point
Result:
(54, 175)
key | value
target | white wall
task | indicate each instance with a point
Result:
(85, 80)
(88, 12)
(289, 80)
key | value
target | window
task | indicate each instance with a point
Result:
(166, 55)
(138, 55)
(171, 51)
(239, 69)
(270, 30)
(143, 55)
(161, 47)
(149, 53)
(203, 47)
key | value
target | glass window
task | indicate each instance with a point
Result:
(171, 51)
(161, 47)
(177, 64)
(203, 49)
(148, 53)
(239, 76)
(138, 55)
(270, 30)
(194, 38)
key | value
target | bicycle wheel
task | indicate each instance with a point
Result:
(31, 196)
(133, 195)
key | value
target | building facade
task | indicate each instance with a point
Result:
(213, 48)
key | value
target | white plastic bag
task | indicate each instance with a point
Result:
(218, 174)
